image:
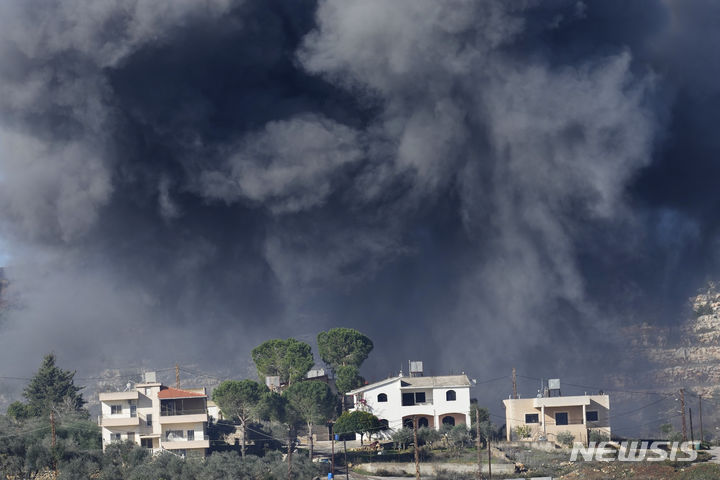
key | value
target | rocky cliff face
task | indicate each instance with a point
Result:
(685, 356)
(690, 356)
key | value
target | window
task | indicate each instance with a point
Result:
(173, 435)
(448, 421)
(133, 411)
(422, 422)
(450, 395)
(408, 422)
(591, 416)
(146, 442)
(131, 436)
(148, 419)
(191, 435)
(382, 397)
(384, 423)
(115, 437)
(532, 418)
(115, 409)
(561, 418)
(412, 398)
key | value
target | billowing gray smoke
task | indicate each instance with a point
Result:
(478, 184)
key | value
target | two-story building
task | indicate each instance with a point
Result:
(157, 417)
(545, 417)
(434, 401)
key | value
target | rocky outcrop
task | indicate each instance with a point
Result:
(684, 356)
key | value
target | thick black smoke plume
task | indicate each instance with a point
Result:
(477, 184)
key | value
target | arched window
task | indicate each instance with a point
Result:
(422, 422)
(450, 395)
(382, 397)
(449, 421)
(384, 424)
(408, 422)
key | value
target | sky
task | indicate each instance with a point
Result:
(480, 185)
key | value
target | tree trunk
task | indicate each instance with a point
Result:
(310, 425)
(244, 434)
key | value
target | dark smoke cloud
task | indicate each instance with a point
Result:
(477, 184)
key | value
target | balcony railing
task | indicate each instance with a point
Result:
(118, 419)
(187, 411)
(569, 422)
(183, 438)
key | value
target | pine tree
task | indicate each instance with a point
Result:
(50, 387)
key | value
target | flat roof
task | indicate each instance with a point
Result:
(441, 381)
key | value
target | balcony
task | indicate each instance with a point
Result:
(115, 396)
(119, 420)
(183, 411)
(182, 443)
(188, 416)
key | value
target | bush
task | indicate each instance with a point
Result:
(598, 436)
(523, 431)
(458, 437)
(402, 438)
(429, 436)
(566, 438)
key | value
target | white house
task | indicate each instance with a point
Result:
(157, 417)
(433, 400)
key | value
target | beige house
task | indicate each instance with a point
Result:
(529, 419)
(157, 417)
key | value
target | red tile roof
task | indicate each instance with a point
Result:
(176, 393)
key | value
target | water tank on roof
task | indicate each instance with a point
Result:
(416, 368)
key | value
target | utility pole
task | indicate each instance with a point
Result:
(477, 434)
(692, 434)
(487, 435)
(52, 431)
(346, 464)
(514, 384)
(177, 376)
(682, 407)
(702, 438)
(417, 453)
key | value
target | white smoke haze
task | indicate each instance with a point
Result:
(472, 183)
(288, 167)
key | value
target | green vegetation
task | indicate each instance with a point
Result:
(241, 401)
(313, 402)
(565, 438)
(347, 378)
(51, 388)
(288, 359)
(523, 431)
(343, 346)
(344, 349)
(357, 422)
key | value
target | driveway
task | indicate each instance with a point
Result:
(715, 452)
